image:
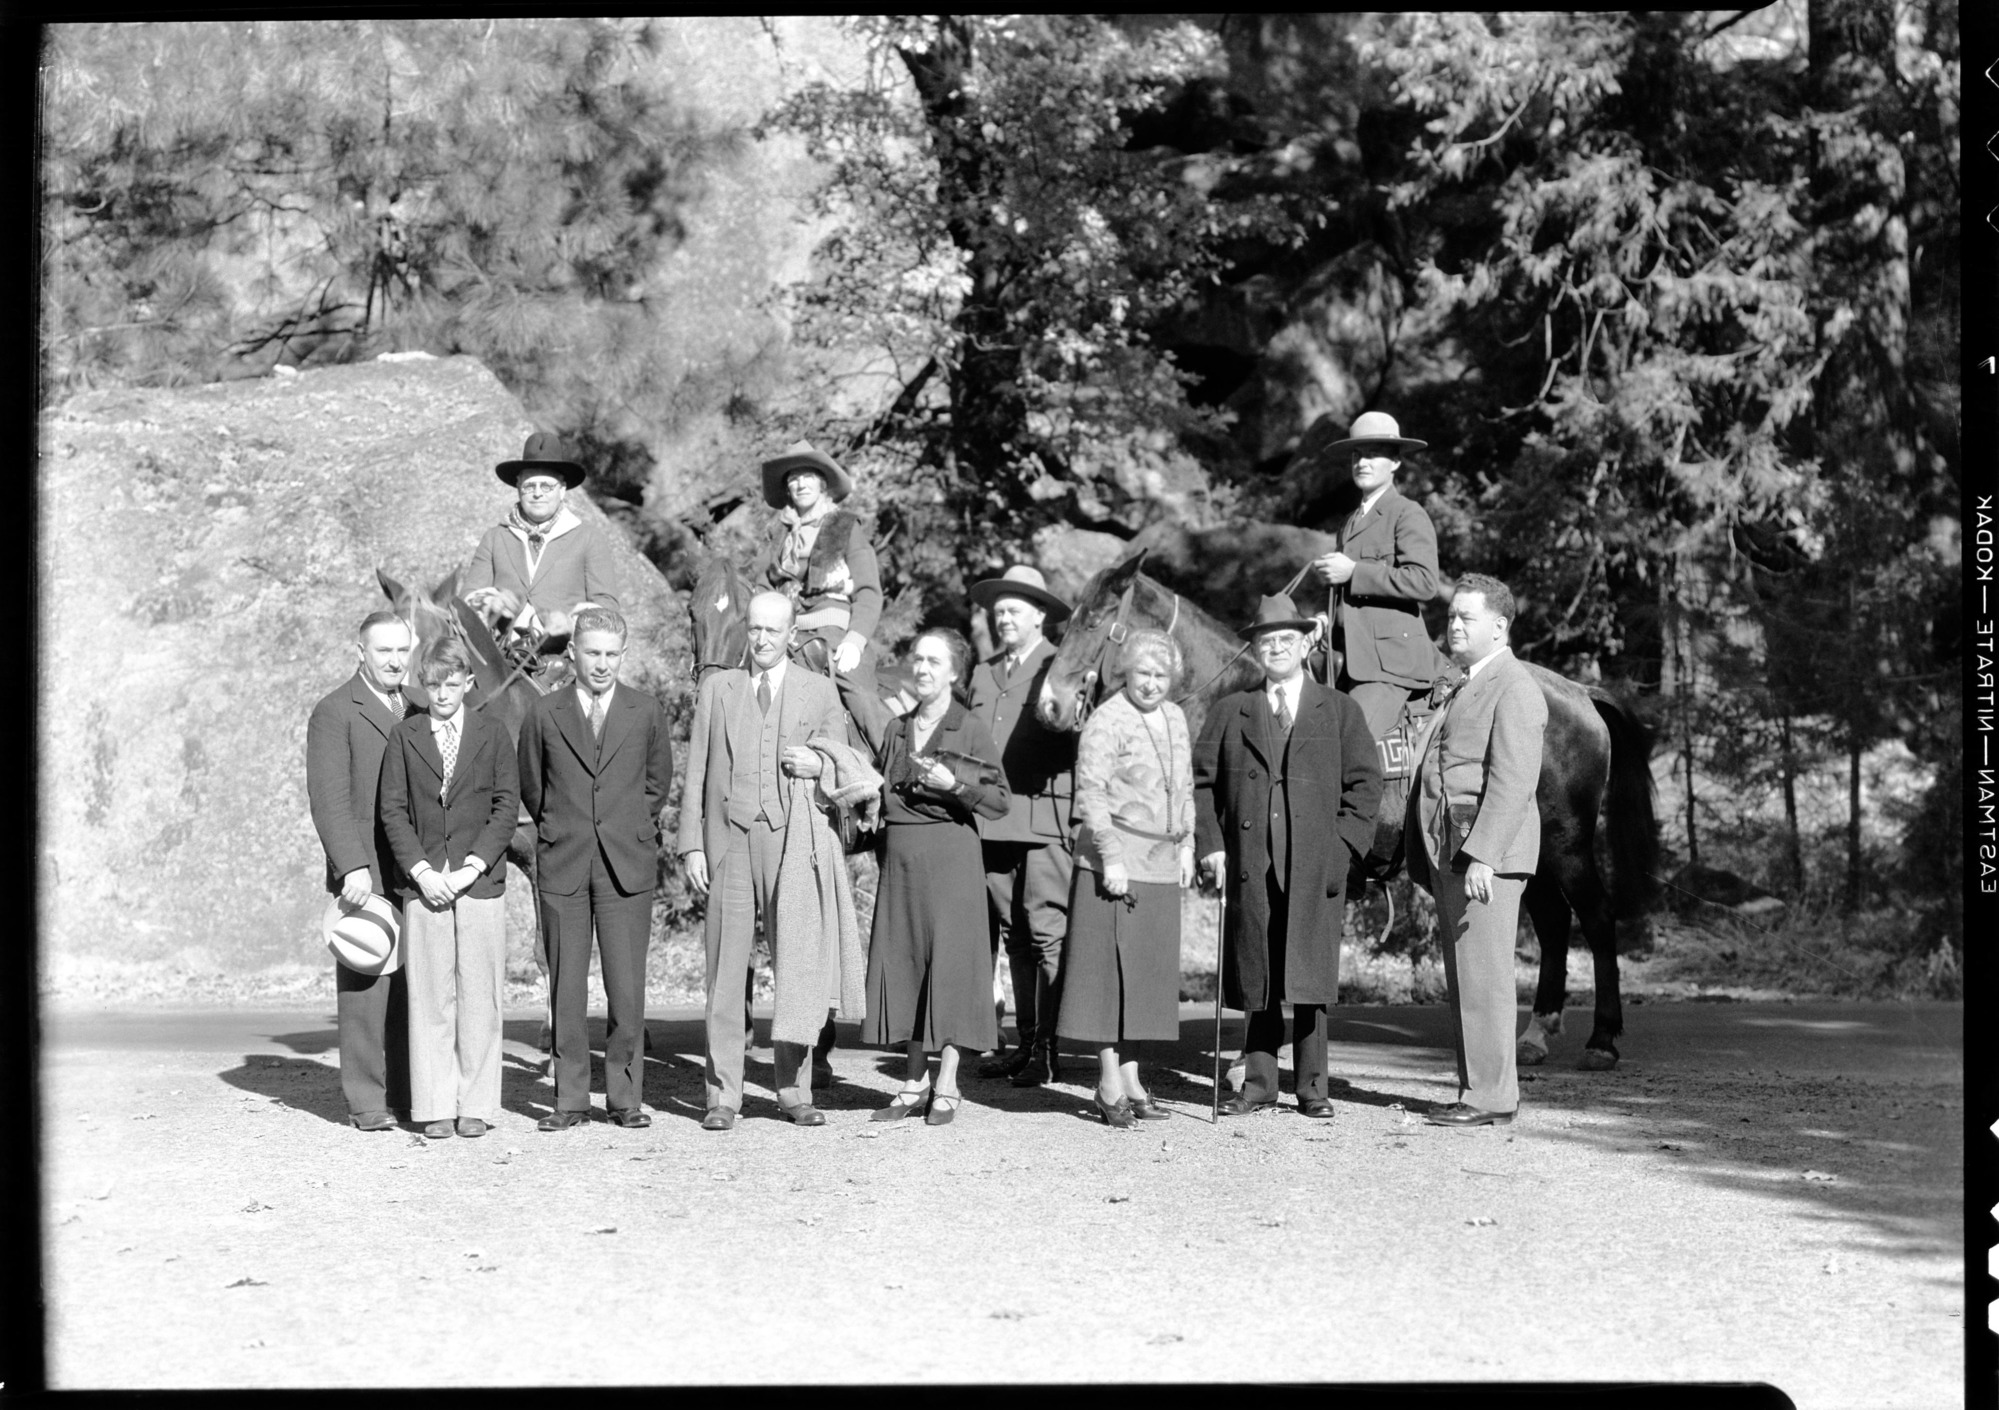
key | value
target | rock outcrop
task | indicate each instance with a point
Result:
(205, 556)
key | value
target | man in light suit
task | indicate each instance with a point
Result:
(344, 742)
(1028, 865)
(1286, 784)
(595, 765)
(1473, 808)
(749, 739)
(1382, 571)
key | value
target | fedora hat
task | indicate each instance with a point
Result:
(1275, 614)
(544, 451)
(1376, 428)
(1023, 582)
(800, 455)
(363, 939)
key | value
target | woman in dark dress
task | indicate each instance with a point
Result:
(1134, 855)
(929, 955)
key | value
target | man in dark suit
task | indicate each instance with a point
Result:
(749, 740)
(1286, 783)
(1474, 808)
(1028, 861)
(1382, 571)
(594, 769)
(344, 740)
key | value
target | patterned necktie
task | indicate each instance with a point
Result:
(597, 715)
(1283, 716)
(395, 699)
(763, 692)
(447, 745)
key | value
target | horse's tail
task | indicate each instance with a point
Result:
(1633, 830)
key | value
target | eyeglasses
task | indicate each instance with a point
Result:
(1279, 641)
(541, 487)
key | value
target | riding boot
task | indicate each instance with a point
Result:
(1007, 1064)
(1040, 1066)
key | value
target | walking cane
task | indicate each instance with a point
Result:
(1221, 928)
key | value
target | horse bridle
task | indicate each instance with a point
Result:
(1093, 678)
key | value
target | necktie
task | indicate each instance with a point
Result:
(395, 699)
(597, 715)
(447, 745)
(763, 692)
(1283, 716)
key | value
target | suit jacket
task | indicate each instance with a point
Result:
(344, 742)
(582, 797)
(575, 566)
(1380, 616)
(1333, 788)
(723, 771)
(1482, 763)
(477, 814)
(1039, 762)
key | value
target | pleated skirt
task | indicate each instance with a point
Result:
(930, 967)
(1121, 964)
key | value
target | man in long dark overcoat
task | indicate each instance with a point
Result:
(1286, 783)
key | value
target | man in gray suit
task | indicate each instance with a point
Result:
(748, 741)
(1473, 807)
(344, 743)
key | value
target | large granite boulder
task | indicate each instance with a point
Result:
(206, 554)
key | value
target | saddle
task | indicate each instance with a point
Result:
(1398, 752)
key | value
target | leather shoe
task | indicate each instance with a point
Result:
(1118, 1114)
(1006, 1064)
(437, 1130)
(940, 1114)
(908, 1102)
(1040, 1067)
(1239, 1105)
(803, 1114)
(471, 1126)
(374, 1121)
(1146, 1109)
(1320, 1107)
(561, 1120)
(1459, 1114)
(719, 1118)
(631, 1118)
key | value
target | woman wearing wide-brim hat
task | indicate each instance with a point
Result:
(818, 553)
(541, 564)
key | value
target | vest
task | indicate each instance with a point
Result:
(1280, 798)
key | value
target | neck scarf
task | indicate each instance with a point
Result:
(537, 534)
(801, 530)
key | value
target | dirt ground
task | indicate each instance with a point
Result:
(1760, 1192)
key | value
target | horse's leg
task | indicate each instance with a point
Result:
(1591, 900)
(520, 851)
(1549, 912)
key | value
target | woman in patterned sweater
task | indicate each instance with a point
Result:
(1134, 805)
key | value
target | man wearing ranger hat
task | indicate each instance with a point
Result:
(1027, 855)
(541, 564)
(1286, 784)
(1381, 572)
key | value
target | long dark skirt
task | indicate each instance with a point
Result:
(1121, 964)
(930, 967)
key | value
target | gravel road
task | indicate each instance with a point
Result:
(1765, 1192)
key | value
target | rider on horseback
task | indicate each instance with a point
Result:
(1382, 571)
(818, 555)
(540, 565)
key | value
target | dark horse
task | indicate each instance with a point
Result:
(1594, 759)
(719, 612)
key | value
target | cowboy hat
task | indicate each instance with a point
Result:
(800, 455)
(544, 451)
(1376, 428)
(363, 939)
(1023, 582)
(1276, 614)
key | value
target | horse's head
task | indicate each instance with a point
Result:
(720, 608)
(435, 614)
(1090, 642)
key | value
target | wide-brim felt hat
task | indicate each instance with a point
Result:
(1275, 614)
(802, 455)
(544, 451)
(1376, 428)
(1023, 582)
(363, 938)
